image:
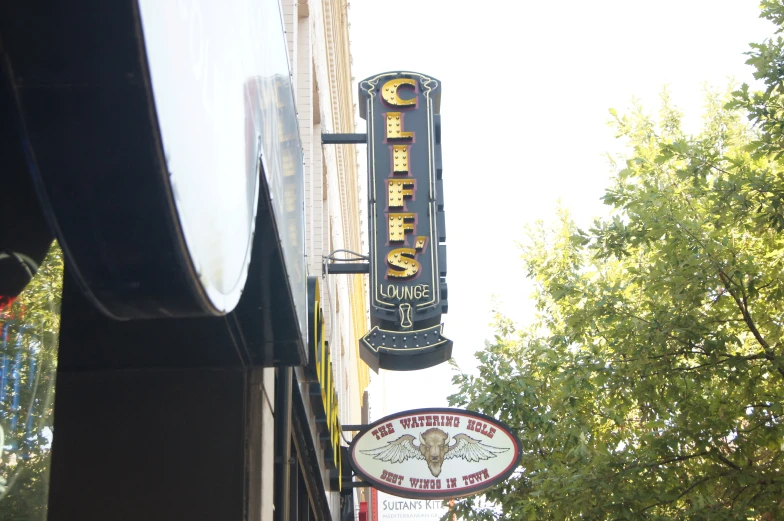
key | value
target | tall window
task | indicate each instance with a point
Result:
(300, 507)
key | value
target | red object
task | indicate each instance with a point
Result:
(6, 312)
(363, 509)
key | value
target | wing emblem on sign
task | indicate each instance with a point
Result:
(396, 451)
(434, 447)
(472, 450)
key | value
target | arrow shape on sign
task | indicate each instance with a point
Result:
(405, 350)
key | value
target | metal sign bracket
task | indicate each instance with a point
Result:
(343, 139)
(357, 263)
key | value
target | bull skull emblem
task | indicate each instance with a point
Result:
(434, 447)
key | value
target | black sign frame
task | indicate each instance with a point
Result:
(407, 280)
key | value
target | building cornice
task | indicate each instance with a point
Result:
(341, 89)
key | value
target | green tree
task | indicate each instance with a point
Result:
(766, 107)
(29, 329)
(651, 385)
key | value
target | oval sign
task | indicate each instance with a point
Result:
(436, 453)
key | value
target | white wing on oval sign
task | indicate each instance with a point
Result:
(472, 450)
(396, 451)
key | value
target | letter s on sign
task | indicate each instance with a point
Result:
(404, 259)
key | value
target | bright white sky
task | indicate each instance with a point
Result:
(526, 88)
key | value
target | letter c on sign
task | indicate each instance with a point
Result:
(389, 92)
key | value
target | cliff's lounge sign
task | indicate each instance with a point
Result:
(435, 453)
(407, 254)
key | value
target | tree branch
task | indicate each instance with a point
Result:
(689, 489)
(666, 461)
(743, 307)
(726, 461)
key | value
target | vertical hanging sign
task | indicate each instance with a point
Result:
(406, 219)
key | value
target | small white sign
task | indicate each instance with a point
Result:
(393, 508)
